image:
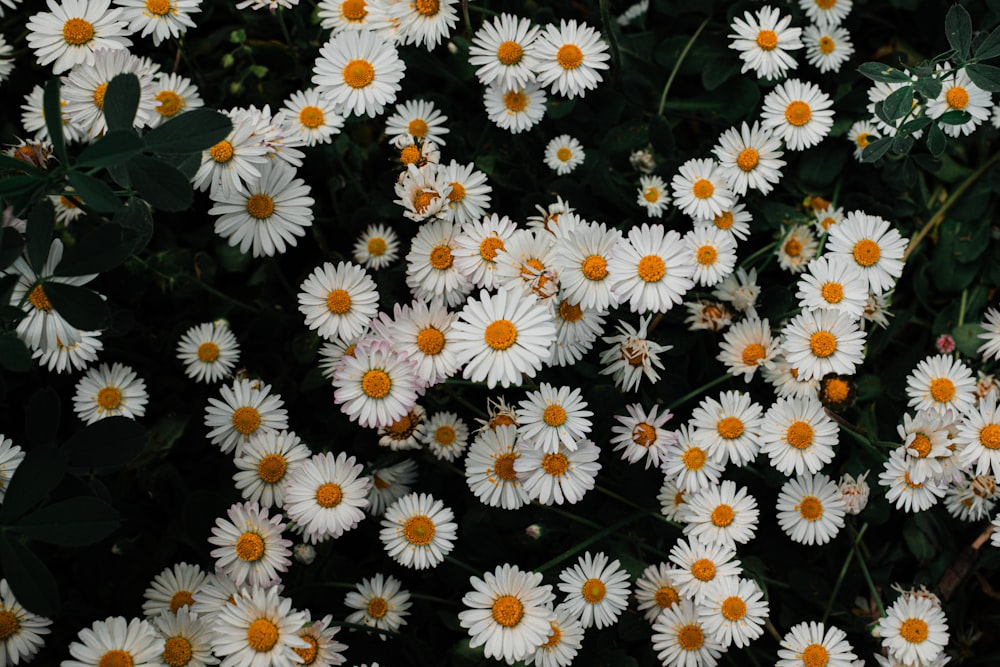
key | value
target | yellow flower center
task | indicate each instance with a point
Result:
(815, 655)
(922, 444)
(866, 252)
(571, 312)
(694, 458)
(427, 7)
(99, 93)
(457, 192)
(354, 10)
(250, 547)
(177, 651)
(836, 390)
(724, 220)
(555, 636)
(358, 73)
(798, 113)
(554, 415)
(833, 292)
(826, 45)
(564, 154)
(942, 390)
(246, 420)
(509, 53)
(823, 344)
(38, 299)
(417, 127)
(419, 530)
(652, 268)
(77, 31)
(767, 39)
(913, 630)
(515, 100)
(500, 334)
(181, 599)
(826, 4)
(722, 516)
(430, 341)
(378, 607)
(376, 383)
(690, 637)
(309, 653)
(703, 188)
(643, 434)
(221, 152)
(799, 435)
(651, 194)
(734, 608)
(338, 301)
(503, 466)
(376, 246)
(441, 257)
(555, 465)
(707, 255)
(109, 398)
(810, 508)
(158, 7)
(569, 56)
(793, 247)
(424, 199)
(272, 468)
(262, 635)
(116, 658)
(593, 590)
(409, 155)
(748, 159)
(730, 428)
(489, 247)
(595, 267)
(170, 103)
(507, 611)
(666, 597)
(208, 352)
(260, 206)
(445, 435)
(957, 97)
(329, 495)
(753, 353)
(703, 569)
(9, 625)
(989, 436)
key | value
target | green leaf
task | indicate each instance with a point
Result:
(15, 185)
(902, 143)
(883, 73)
(14, 356)
(190, 132)
(958, 29)
(899, 103)
(42, 417)
(75, 522)
(112, 148)
(11, 245)
(928, 86)
(986, 77)
(8, 162)
(52, 109)
(94, 192)
(121, 99)
(29, 579)
(106, 444)
(967, 339)
(99, 251)
(955, 117)
(917, 542)
(39, 472)
(81, 307)
(558, 108)
(936, 141)
(136, 222)
(38, 231)
(876, 149)
(990, 48)
(163, 186)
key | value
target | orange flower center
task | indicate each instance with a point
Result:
(593, 590)
(329, 495)
(179, 599)
(957, 97)
(836, 390)
(246, 420)
(569, 56)
(489, 247)
(428, 7)
(338, 301)
(989, 437)
(833, 292)
(703, 188)
(109, 398)
(445, 435)
(703, 569)
(77, 31)
(177, 651)
(509, 53)
(376, 246)
(866, 252)
(419, 530)
(748, 159)
(272, 468)
(158, 7)
(99, 94)
(309, 653)
(417, 128)
(260, 206)
(595, 267)
(730, 428)
(250, 547)
(810, 508)
(555, 465)
(823, 344)
(441, 257)
(376, 383)
(354, 10)
(815, 655)
(942, 390)
(358, 73)
(378, 607)
(694, 458)
(430, 341)
(116, 658)
(666, 597)
(799, 435)
(503, 466)
(767, 40)
(9, 625)
(500, 334)
(691, 637)
(507, 611)
(913, 630)
(170, 103)
(262, 635)
(826, 45)
(734, 608)
(221, 152)
(457, 192)
(564, 154)
(707, 255)
(554, 415)
(38, 299)
(571, 312)
(652, 268)
(515, 100)
(722, 516)
(922, 444)
(798, 113)
(753, 353)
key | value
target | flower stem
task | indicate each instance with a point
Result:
(572, 551)
(858, 544)
(677, 65)
(691, 394)
(620, 498)
(843, 573)
(766, 249)
(464, 566)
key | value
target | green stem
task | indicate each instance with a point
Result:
(465, 18)
(611, 37)
(857, 548)
(431, 598)
(843, 573)
(622, 499)
(572, 551)
(567, 515)
(691, 394)
(677, 65)
(464, 566)
(766, 249)
(962, 305)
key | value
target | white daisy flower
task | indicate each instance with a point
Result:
(855, 492)
(764, 41)
(563, 643)
(688, 465)
(914, 630)
(581, 260)
(338, 301)
(424, 22)
(430, 268)
(829, 216)
(422, 193)
(424, 335)
(680, 638)
(700, 564)
(110, 391)
(489, 468)
(798, 436)
(525, 263)
(418, 531)
(733, 611)
(174, 95)
(927, 442)
(990, 349)
(359, 72)
(173, 589)
(552, 417)
(650, 269)
(116, 641)
(868, 242)
(749, 158)
(728, 429)
(377, 247)
(163, 19)
(33, 118)
(509, 613)
(797, 249)
(6, 52)
(404, 433)
(86, 84)
(381, 603)
(965, 505)
(700, 190)
(826, 12)
(209, 351)
(671, 499)
(707, 316)
(799, 113)
(958, 93)
(22, 629)
(469, 196)
(632, 355)
(11, 456)
(186, 639)
(499, 413)
(819, 342)
(979, 437)
(390, 483)
(655, 590)
(326, 496)
(569, 58)
(230, 163)
(810, 509)
(831, 283)
(515, 109)
(735, 222)
(641, 436)
(419, 119)
(714, 254)
(251, 550)
(720, 515)
(476, 247)
(653, 195)
(259, 628)
(564, 475)
(267, 464)
(502, 51)
(500, 339)
(341, 15)
(247, 408)
(741, 290)
(311, 117)
(323, 649)
(446, 435)
(563, 154)
(827, 47)
(808, 644)
(70, 32)
(902, 491)
(941, 383)
(747, 346)
(596, 590)
(376, 386)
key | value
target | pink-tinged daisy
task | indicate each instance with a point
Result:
(640, 435)
(376, 386)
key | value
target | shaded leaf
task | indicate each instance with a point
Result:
(136, 222)
(661, 136)
(14, 355)
(899, 103)
(110, 149)
(928, 86)
(106, 444)
(81, 307)
(39, 472)
(967, 339)
(52, 108)
(955, 117)
(121, 100)
(38, 233)
(95, 192)
(876, 149)
(29, 579)
(884, 73)
(75, 522)
(12, 185)
(190, 132)
(936, 141)
(11, 245)
(986, 77)
(42, 417)
(990, 48)
(958, 29)
(917, 542)
(99, 251)
(163, 186)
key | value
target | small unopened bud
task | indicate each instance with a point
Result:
(304, 553)
(228, 60)
(642, 161)
(534, 531)
(945, 344)
(855, 492)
